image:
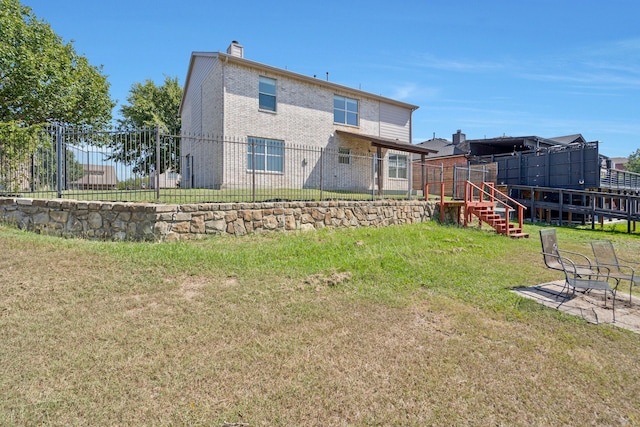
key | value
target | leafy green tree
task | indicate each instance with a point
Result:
(16, 145)
(150, 107)
(43, 79)
(45, 169)
(633, 164)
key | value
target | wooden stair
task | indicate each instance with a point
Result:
(485, 211)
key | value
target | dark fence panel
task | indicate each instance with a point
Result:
(152, 166)
(575, 167)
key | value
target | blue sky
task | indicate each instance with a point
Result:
(490, 67)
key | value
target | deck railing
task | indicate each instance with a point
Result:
(487, 192)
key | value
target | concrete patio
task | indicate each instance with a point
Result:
(589, 306)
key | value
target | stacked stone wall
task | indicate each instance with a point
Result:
(156, 222)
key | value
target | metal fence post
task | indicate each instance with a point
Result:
(157, 177)
(253, 169)
(321, 172)
(410, 175)
(373, 176)
(59, 177)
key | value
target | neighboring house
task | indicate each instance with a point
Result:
(449, 153)
(271, 110)
(96, 177)
(167, 179)
(508, 145)
(470, 148)
(618, 163)
(451, 163)
(564, 161)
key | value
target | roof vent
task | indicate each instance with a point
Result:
(236, 49)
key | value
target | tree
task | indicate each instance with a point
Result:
(43, 79)
(45, 169)
(17, 143)
(150, 106)
(633, 163)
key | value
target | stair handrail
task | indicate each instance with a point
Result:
(468, 198)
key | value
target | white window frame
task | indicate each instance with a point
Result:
(343, 106)
(262, 94)
(267, 152)
(396, 166)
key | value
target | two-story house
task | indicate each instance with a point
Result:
(272, 111)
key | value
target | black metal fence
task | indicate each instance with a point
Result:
(152, 166)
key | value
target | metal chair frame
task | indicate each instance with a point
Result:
(606, 258)
(551, 258)
(596, 280)
(585, 276)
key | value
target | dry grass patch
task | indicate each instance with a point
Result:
(126, 338)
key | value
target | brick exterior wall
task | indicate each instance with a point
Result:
(304, 117)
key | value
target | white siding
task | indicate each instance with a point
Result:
(192, 105)
(395, 122)
(202, 116)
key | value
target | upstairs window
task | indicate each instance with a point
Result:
(267, 94)
(345, 110)
(265, 155)
(397, 166)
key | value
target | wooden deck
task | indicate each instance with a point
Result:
(563, 205)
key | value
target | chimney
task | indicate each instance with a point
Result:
(459, 137)
(236, 49)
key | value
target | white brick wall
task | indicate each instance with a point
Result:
(304, 117)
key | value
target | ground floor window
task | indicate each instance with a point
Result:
(344, 156)
(265, 155)
(397, 166)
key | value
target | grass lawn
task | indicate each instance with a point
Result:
(199, 195)
(404, 325)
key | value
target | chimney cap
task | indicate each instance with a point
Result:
(235, 49)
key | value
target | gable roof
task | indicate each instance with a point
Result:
(446, 148)
(226, 58)
(569, 139)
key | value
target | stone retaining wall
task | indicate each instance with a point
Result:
(155, 222)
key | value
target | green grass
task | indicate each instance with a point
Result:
(404, 325)
(179, 195)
